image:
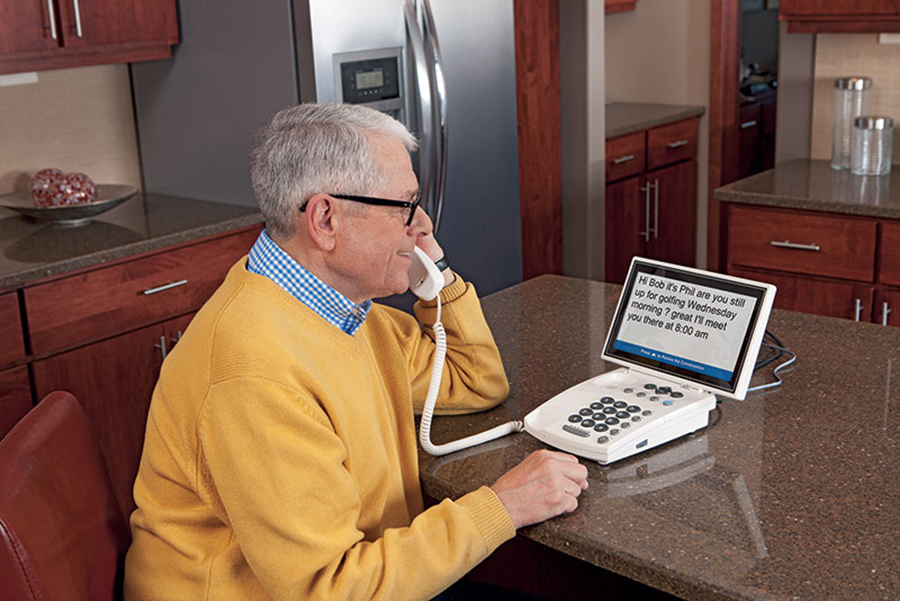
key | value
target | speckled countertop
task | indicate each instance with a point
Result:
(788, 495)
(627, 117)
(31, 250)
(811, 184)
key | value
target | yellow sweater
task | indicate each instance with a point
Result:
(280, 454)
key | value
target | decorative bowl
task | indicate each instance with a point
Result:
(108, 197)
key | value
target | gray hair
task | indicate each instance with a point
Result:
(312, 148)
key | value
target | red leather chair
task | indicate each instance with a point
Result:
(62, 535)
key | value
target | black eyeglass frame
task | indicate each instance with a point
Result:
(381, 202)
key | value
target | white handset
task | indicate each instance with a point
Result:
(425, 279)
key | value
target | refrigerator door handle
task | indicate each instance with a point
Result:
(423, 102)
(439, 98)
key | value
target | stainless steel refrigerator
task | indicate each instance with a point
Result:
(444, 67)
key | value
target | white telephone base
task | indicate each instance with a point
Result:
(619, 414)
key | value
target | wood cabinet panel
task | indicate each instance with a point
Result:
(889, 254)
(110, 300)
(12, 347)
(749, 135)
(37, 35)
(823, 8)
(671, 143)
(15, 397)
(674, 209)
(625, 205)
(114, 381)
(887, 307)
(848, 300)
(797, 242)
(25, 26)
(840, 16)
(625, 156)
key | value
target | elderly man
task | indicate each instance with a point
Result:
(280, 454)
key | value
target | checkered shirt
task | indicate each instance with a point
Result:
(269, 260)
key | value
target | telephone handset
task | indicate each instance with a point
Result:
(425, 279)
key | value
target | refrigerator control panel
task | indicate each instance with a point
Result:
(372, 78)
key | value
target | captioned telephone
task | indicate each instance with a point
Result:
(425, 279)
(683, 336)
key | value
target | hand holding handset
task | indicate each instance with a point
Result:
(426, 281)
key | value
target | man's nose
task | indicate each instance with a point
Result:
(421, 223)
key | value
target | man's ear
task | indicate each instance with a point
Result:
(322, 221)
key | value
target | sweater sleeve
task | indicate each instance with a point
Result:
(275, 467)
(473, 377)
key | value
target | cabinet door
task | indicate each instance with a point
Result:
(28, 25)
(113, 380)
(834, 8)
(889, 254)
(15, 397)
(749, 136)
(625, 226)
(674, 210)
(106, 22)
(833, 299)
(887, 307)
(12, 349)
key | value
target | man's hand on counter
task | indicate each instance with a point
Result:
(544, 485)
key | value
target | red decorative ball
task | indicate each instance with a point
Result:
(53, 188)
(43, 186)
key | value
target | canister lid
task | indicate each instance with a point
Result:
(853, 83)
(878, 123)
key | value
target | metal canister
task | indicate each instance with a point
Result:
(851, 99)
(873, 138)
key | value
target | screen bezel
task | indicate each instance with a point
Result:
(736, 387)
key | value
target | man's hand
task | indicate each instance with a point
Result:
(428, 244)
(544, 485)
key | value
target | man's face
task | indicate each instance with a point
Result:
(377, 241)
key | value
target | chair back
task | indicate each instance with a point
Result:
(62, 534)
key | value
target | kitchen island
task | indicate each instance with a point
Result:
(790, 494)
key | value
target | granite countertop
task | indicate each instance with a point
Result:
(789, 494)
(627, 117)
(31, 250)
(811, 184)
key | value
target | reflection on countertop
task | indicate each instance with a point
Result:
(811, 184)
(789, 494)
(31, 249)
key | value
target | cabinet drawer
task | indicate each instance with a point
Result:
(13, 347)
(111, 300)
(624, 156)
(671, 143)
(15, 397)
(811, 244)
(889, 254)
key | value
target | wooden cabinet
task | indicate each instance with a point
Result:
(103, 334)
(756, 136)
(651, 197)
(617, 6)
(822, 263)
(840, 16)
(15, 389)
(54, 34)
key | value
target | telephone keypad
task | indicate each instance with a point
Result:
(609, 411)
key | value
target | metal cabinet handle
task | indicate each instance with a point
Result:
(678, 144)
(168, 286)
(162, 347)
(52, 15)
(77, 8)
(794, 245)
(177, 338)
(885, 309)
(858, 310)
(656, 208)
(624, 159)
(646, 231)
(748, 124)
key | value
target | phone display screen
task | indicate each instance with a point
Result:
(687, 323)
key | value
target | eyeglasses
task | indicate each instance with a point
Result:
(384, 202)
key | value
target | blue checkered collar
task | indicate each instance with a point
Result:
(269, 260)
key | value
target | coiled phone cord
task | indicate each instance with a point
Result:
(437, 369)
